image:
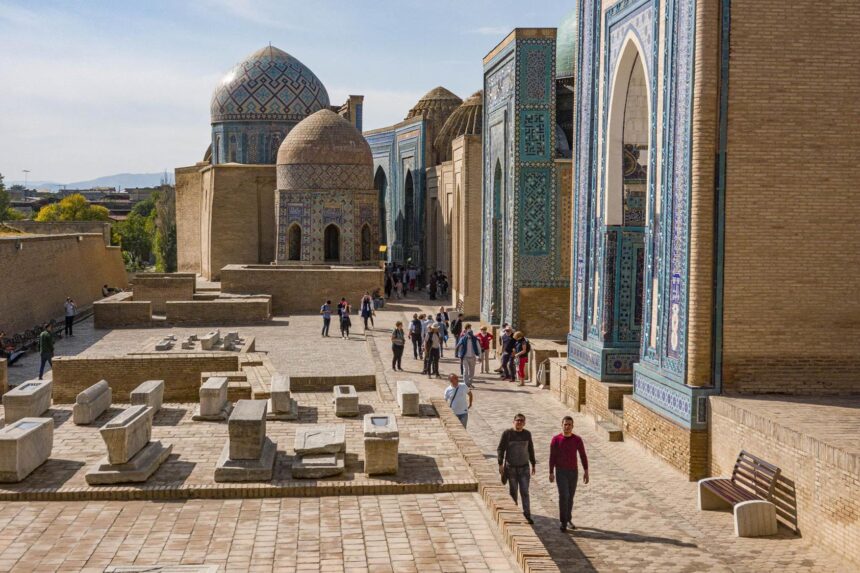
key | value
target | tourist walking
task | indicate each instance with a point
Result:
(389, 285)
(457, 326)
(46, 348)
(459, 398)
(508, 345)
(521, 356)
(416, 335)
(484, 338)
(345, 321)
(563, 469)
(398, 343)
(366, 309)
(340, 306)
(426, 323)
(467, 350)
(516, 451)
(325, 311)
(433, 350)
(71, 311)
(443, 334)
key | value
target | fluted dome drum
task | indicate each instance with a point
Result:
(258, 102)
(465, 120)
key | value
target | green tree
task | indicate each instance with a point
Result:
(73, 208)
(135, 238)
(7, 213)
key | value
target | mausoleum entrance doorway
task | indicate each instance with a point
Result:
(626, 198)
(294, 242)
(409, 217)
(331, 243)
(381, 184)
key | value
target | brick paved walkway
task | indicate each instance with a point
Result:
(636, 514)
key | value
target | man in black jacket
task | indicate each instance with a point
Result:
(516, 451)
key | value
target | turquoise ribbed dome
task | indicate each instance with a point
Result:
(565, 46)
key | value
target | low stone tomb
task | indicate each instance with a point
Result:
(248, 454)
(231, 337)
(407, 397)
(214, 406)
(320, 451)
(132, 457)
(24, 445)
(29, 400)
(188, 343)
(150, 393)
(345, 401)
(381, 444)
(210, 339)
(281, 404)
(91, 403)
(164, 344)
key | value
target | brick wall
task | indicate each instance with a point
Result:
(62, 227)
(47, 269)
(566, 384)
(189, 195)
(826, 486)
(120, 311)
(792, 314)
(220, 311)
(180, 372)
(685, 450)
(542, 351)
(602, 397)
(466, 277)
(160, 288)
(544, 312)
(4, 376)
(302, 289)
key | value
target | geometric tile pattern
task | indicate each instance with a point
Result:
(535, 187)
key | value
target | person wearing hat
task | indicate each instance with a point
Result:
(485, 338)
(432, 348)
(508, 345)
(522, 347)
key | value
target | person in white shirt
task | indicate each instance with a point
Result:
(459, 398)
(71, 311)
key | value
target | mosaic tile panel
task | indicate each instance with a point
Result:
(535, 189)
(535, 77)
(535, 142)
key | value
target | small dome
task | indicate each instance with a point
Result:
(465, 120)
(324, 138)
(268, 85)
(207, 155)
(435, 107)
(565, 46)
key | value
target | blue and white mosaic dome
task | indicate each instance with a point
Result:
(565, 46)
(268, 85)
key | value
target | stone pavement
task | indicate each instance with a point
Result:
(378, 534)
(636, 514)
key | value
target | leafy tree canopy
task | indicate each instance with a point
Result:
(73, 208)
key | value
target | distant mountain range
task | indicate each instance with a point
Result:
(121, 180)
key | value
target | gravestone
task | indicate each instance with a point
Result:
(210, 339)
(214, 406)
(91, 403)
(131, 457)
(345, 401)
(319, 451)
(24, 445)
(407, 398)
(248, 454)
(29, 400)
(281, 404)
(164, 344)
(381, 444)
(150, 393)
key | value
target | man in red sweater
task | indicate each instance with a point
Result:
(563, 469)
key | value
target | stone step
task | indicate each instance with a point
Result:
(616, 417)
(608, 431)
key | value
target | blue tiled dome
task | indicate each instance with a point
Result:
(565, 46)
(268, 85)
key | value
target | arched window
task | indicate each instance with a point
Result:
(409, 215)
(276, 143)
(331, 246)
(294, 242)
(217, 154)
(231, 153)
(381, 184)
(366, 245)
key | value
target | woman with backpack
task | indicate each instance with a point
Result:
(522, 347)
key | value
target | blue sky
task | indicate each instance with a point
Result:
(95, 88)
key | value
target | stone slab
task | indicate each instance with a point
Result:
(281, 398)
(150, 393)
(320, 439)
(28, 400)
(221, 416)
(240, 470)
(91, 403)
(24, 445)
(127, 433)
(213, 396)
(247, 429)
(135, 470)
(381, 456)
(292, 414)
(210, 339)
(315, 466)
(380, 425)
(408, 398)
(345, 401)
(608, 431)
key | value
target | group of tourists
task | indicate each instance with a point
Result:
(344, 310)
(438, 285)
(399, 280)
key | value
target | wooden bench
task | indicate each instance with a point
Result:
(749, 491)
